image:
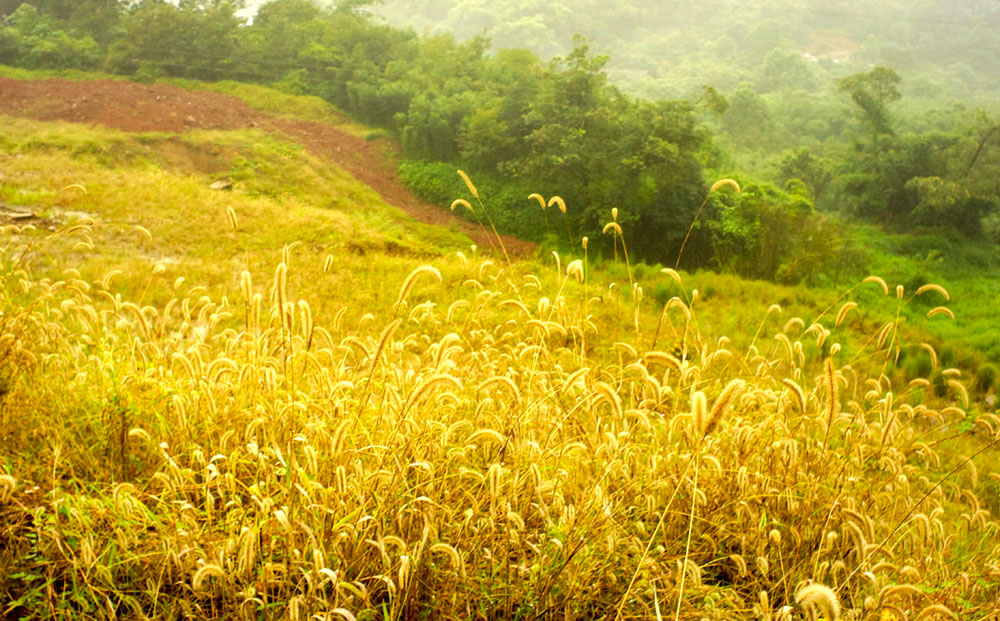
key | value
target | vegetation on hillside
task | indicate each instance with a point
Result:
(559, 126)
(289, 401)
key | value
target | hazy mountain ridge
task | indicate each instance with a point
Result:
(668, 48)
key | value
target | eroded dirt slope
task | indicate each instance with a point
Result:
(134, 107)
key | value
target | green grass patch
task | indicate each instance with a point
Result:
(19, 73)
(281, 195)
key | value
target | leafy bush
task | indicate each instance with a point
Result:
(34, 39)
(507, 204)
(767, 233)
(917, 365)
(986, 376)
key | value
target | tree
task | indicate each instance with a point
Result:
(759, 232)
(806, 167)
(35, 39)
(748, 120)
(987, 135)
(713, 101)
(784, 68)
(359, 7)
(942, 202)
(873, 92)
(195, 38)
(94, 18)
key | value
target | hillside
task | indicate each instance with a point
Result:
(819, 146)
(292, 399)
(369, 158)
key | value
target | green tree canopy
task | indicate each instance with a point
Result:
(872, 92)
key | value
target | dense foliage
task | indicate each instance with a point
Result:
(853, 102)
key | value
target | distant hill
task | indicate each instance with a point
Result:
(670, 48)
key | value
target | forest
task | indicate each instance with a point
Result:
(452, 309)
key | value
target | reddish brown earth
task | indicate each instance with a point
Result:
(134, 107)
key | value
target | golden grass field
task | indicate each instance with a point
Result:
(290, 401)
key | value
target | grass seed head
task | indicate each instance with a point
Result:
(7, 487)
(558, 202)
(575, 269)
(468, 183)
(205, 572)
(936, 288)
(725, 182)
(732, 390)
(881, 283)
(941, 310)
(145, 233)
(612, 226)
(698, 409)
(819, 598)
(935, 610)
(467, 205)
(246, 286)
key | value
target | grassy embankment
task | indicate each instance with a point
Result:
(405, 431)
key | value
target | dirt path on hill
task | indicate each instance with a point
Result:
(134, 107)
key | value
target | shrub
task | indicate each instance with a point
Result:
(507, 204)
(986, 376)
